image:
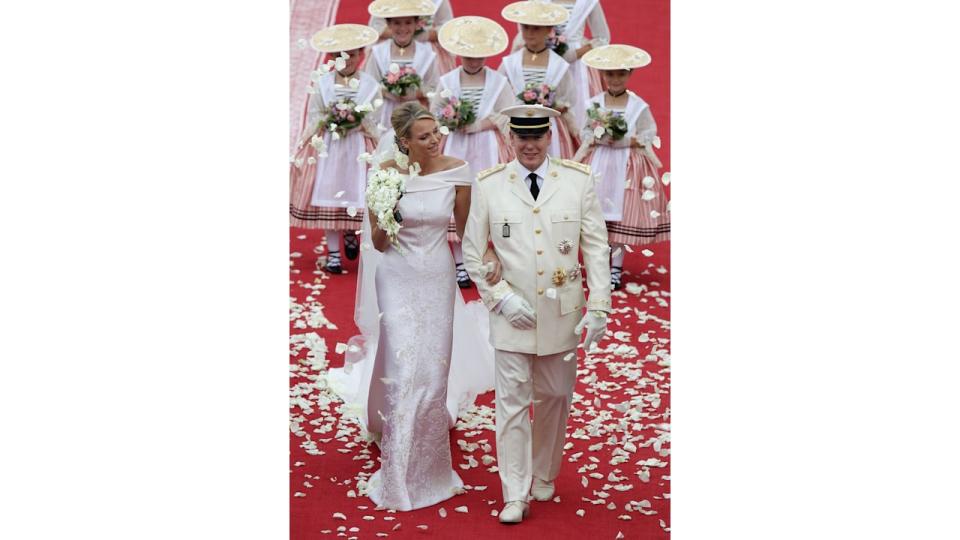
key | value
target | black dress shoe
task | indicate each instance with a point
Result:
(615, 273)
(333, 263)
(463, 279)
(351, 246)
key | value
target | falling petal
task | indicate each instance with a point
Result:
(649, 195)
(444, 130)
(665, 179)
(647, 253)
(394, 68)
(339, 194)
(648, 181)
(446, 93)
(302, 43)
(443, 512)
(551, 293)
(340, 63)
(354, 83)
(581, 512)
(654, 214)
(461, 509)
(352, 211)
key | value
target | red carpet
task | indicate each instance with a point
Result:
(629, 498)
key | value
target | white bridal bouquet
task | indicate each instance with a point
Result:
(384, 189)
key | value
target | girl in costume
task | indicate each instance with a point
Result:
(537, 74)
(426, 32)
(618, 141)
(569, 41)
(467, 102)
(327, 182)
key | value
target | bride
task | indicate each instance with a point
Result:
(416, 331)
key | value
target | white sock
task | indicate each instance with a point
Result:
(618, 258)
(333, 241)
(457, 252)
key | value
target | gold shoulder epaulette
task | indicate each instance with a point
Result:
(582, 167)
(487, 172)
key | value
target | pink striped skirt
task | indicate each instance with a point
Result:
(302, 213)
(638, 225)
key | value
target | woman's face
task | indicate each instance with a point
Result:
(424, 138)
(402, 28)
(616, 79)
(472, 64)
(535, 37)
(352, 60)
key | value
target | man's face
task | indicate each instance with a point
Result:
(531, 150)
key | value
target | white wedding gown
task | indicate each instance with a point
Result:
(422, 354)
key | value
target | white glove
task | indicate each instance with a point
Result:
(519, 313)
(596, 325)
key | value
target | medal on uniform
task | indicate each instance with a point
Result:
(559, 277)
(506, 230)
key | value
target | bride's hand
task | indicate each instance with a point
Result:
(490, 258)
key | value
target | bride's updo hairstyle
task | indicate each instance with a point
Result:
(403, 118)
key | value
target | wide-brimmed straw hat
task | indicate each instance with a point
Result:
(402, 8)
(535, 13)
(344, 37)
(473, 37)
(616, 57)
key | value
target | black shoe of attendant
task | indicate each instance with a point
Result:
(351, 246)
(333, 263)
(463, 279)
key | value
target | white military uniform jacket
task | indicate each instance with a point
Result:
(538, 242)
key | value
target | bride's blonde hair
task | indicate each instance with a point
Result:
(403, 118)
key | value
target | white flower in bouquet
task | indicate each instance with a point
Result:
(431, 94)
(364, 108)
(599, 131)
(383, 191)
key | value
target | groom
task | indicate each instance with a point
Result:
(540, 213)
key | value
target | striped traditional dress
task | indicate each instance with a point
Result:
(472, 95)
(644, 218)
(534, 75)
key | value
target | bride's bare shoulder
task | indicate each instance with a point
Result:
(451, 162)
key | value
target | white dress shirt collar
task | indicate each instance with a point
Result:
(541, 172)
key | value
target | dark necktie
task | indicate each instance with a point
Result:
(534, 188)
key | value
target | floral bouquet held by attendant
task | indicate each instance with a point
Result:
(399, 80)
(343, 116)
(606, 123)
(454, 113)
(538, 94)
